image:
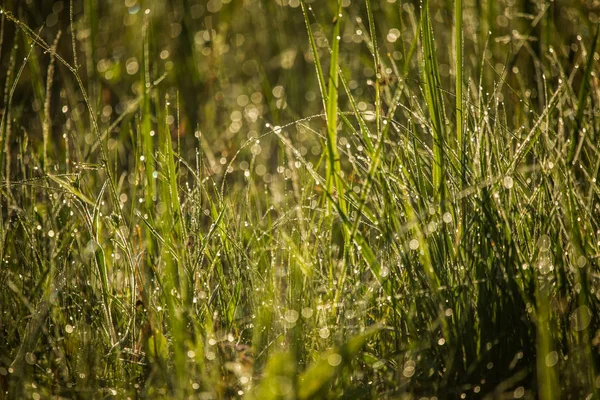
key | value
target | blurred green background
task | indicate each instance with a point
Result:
(234, 66)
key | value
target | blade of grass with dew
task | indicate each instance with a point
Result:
(315, 54)
(374, 167)
(435, 104)
(175, 292)
(329, 93)
(461, 148)
(378, 69)
(90, 8)
(71, 189)
(47, 99)
(584, 89)
(529, 141)
(36, 77)
(146, 127)
(5, 122)
(433, 98)
(101, 265)
(334, 178)
(580, 258)
(413, 49)
(362, 125)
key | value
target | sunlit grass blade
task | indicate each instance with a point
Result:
(435, 105)
(334, 179)
(329, 93)
(378, 67)
(315, 55)
(146, 123)
(458, 48)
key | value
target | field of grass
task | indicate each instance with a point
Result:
(294, 199)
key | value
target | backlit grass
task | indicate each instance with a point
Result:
(299, 199)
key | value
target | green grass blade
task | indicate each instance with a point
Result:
(458, 46)
(433, 97)
(584, 90)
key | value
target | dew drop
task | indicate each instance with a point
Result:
(551, 359)
(544, 242)
(307, 312)
(581, 318)
(30, 358)
(334, 359)
(291, 316)
(413, 244)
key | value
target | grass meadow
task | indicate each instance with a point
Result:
(294, 199)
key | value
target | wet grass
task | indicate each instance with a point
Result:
(289, 199)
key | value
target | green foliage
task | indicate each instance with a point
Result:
(299, 199)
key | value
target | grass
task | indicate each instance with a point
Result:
(299, 199)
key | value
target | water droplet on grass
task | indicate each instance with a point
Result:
(409, 368)
(447, 217)
(307, 312)
(581, 318)
(291, 316)
(30, 358)
(519, 392)
(544, 242)
(551, 359)
(334, 359)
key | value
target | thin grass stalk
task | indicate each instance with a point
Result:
(2, 19)
(334, 179)
(72, 29)
(147, 135)
(5, 123)
(582, 99)
(47, 121)
(378, 68)
(458, 45)
(315, 54)
(462, 149)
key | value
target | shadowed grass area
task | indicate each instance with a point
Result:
(299, 199)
